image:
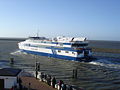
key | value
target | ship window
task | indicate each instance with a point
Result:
(59, 51)
(27, 44)
(80, 52)
(79, 45)
(73, 53)
(61, 44)
(66, 51)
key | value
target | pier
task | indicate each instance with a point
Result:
(31, 83)
(34, 84)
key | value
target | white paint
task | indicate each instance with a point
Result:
(43, 50)
(70, 53)
(9, 81)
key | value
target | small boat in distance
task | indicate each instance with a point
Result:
(69, 48)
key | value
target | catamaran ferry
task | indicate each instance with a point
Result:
(69, 48)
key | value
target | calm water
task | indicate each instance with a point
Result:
(105, 44)
(101, 74)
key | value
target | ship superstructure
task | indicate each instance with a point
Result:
(69, 48)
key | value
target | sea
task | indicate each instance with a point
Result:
(103, 73)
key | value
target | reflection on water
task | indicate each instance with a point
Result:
(100, 74)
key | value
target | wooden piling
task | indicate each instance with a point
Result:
(74, 75)
(11, 60)
(37, 68)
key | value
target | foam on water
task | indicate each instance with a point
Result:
(17, 52)
(109, 63)
(106, 62)
(3, 63)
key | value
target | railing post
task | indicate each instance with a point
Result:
(37, 68)
(11, 60)
(74, 75)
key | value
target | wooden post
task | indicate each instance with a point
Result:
(74, 73)
(36, 72)
(37, 68)
(29, 86)
(11, 60)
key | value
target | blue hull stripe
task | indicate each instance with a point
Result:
(61, 43)
(52, 55)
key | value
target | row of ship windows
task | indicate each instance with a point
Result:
(48, 42)
(66, 52)
(35, 45)
(72, 52)
(41, 46)
(73, 45)
(46, 46)
(38, 45)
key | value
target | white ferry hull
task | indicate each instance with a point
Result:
(54, 55)
(56, 49)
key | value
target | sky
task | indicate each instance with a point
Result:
(94, 19)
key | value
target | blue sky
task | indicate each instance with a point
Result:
(94, 19)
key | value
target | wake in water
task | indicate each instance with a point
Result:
(17, 52)
(101, 61)
(107, 62)
(3, 63)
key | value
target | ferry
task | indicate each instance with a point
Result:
(68, 48)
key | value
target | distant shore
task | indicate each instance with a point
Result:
(105, 50)
(13, 39)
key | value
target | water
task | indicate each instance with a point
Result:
(100, 74)
(105, 44)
